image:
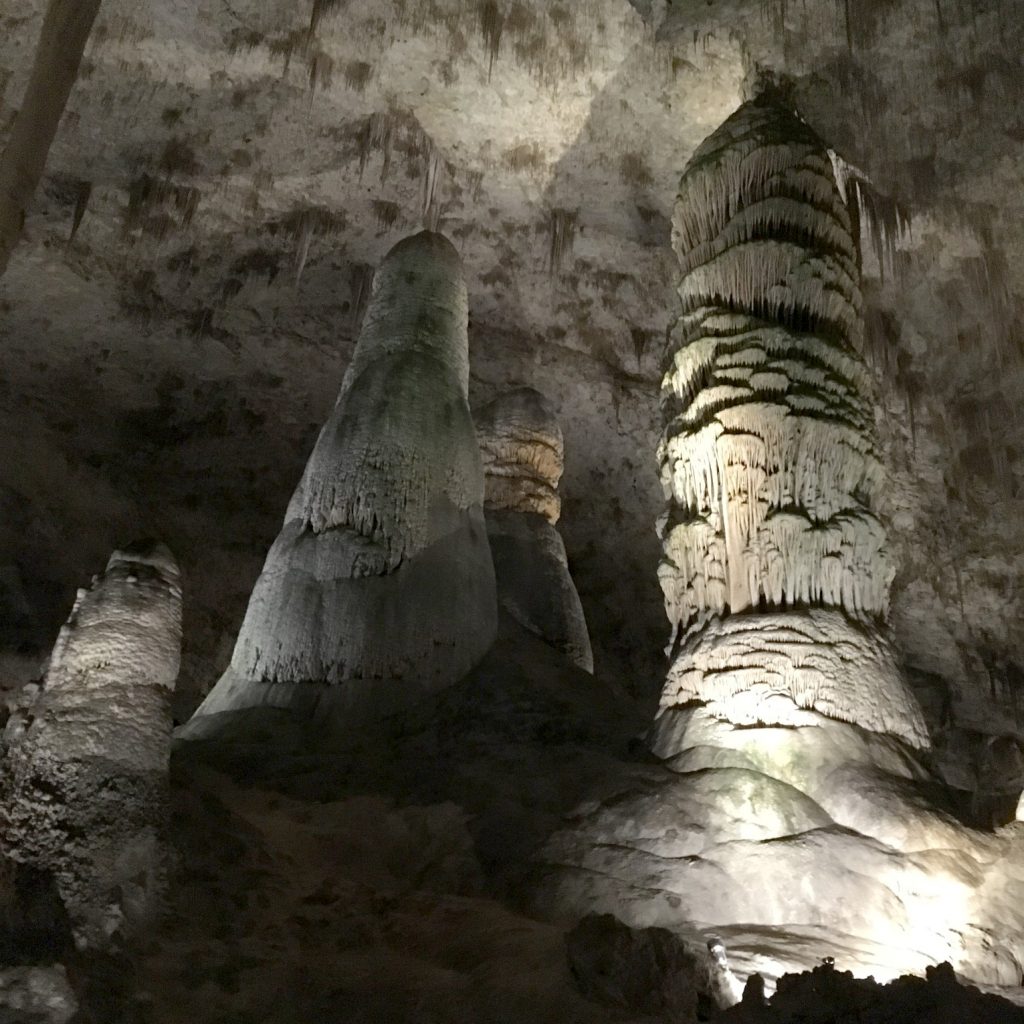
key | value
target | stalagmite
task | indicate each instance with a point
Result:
(380, 585)
(83, 782)
(775, 570)
(522, 448)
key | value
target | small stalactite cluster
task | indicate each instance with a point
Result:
(304, 224)
(768, 455)
(561, 237)
(158, 206)
(878, 222)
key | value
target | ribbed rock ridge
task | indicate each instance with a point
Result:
(380, 585)
(523, 454)
(769, 458)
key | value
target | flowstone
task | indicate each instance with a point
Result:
(380, 585)
(523, 455)
(83, 781)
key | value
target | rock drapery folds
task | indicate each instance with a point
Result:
(380, 583)
(83, 786)
(769, 458)
(523, 455)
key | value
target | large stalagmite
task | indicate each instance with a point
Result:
(768, 457)
(523, 452)
(380, 584)
(791, 809)
(83, 782)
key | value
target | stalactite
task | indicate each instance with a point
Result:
(432, 164)
(561, 237)
(320, 9)
(377, 135)
(361, 282)
(83, 192)
(492, 25)
(302, 252)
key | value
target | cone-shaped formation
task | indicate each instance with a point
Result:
(380, 584)
(768, 456)
(83, 786)
(522, 448)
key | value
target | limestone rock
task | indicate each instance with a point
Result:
(522, 449)
(380, 585)
(84, 775)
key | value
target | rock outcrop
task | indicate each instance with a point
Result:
(83, 782)
(523, 455)
(380, 585)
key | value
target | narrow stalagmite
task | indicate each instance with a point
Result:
(380, 585)
(768, 457)
(523, 452)
(83, 781)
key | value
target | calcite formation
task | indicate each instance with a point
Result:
(523, 455)
(380, 585)
(83, 781)
(769, 458)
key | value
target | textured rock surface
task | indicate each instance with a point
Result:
(84, 771)
(522, 448)
(772, 669)
(380, 586)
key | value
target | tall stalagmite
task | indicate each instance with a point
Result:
(380, 584)
(775, 569)
(523, 452)
(83, 783)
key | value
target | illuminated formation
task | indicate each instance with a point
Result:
(522, 448)
(83, 793)
(380, 584)
(775, 570)
(790, 797)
